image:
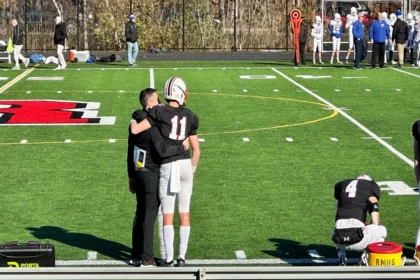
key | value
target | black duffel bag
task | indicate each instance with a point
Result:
(31, 254)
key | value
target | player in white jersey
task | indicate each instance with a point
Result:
(390, 47)
(409, 46)
(316, 34)
(336, 32)
(351, 18)
(416, 41)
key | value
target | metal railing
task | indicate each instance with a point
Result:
(220, 273)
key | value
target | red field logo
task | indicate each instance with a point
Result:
(51, 112)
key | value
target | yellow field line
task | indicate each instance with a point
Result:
(15, 80)
(333, 114)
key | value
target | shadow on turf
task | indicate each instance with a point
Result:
(290, 249)
(85, 241)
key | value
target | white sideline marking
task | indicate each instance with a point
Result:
(334, 139)
(405, 72)
(214, 90)
(354, 77)
(28, 91)
(312, 77)
(245, 90)
(313, 90)
(329, 108)
(89, 91)
(367, 89)
(248, 68)
(92, 255)
(201, 140)
(112, 140)
(355, 122)
(59, 91)
(121, 91)
(78, 69)
(258, 77)
(240, 255)
(337, 90)
(4, 78)
(289, 139)
(398, 89)
(15, 80)
(67, 141)
(245, 139)
(386, 137)
(314, 254)
(24, 141)
(275, 90)
(102, 69)
(152, 78)
(333, 261)
(175, 68)
(45, 79)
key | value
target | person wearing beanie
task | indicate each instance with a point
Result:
(131, 39)
(400, 36)
(60, 36)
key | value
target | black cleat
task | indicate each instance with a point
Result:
(134, 262)
(166, 264)
(180, 262)
(342, 261)
(146, 263)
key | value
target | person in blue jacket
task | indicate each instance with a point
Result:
(358, 36)
(378, 35)
(336, 30)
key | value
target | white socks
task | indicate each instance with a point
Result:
(184, 235)
(168, 237)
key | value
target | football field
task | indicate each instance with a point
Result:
(274, 141)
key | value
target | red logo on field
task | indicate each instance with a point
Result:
(51, 112)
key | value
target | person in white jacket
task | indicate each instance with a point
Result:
(316, 34)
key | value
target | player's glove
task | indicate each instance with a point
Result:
(138, 115)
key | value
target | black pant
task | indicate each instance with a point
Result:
(358, 48)
(301, 54)
(147, 196)
(378, 49)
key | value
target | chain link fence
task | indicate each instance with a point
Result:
(172, 24)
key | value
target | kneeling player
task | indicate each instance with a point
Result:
(354, 198)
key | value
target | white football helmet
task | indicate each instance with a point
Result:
(364, 177)
(353, 11)
(176, 90)
(318, 19)
(337, 17)
(392, 18)
(384, 16)
(349, 17)
(409, 17)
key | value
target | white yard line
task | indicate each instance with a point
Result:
(240, 255)
(152, 78)
(355, 122)
(332, 261)
(405, 72)
(16, 80)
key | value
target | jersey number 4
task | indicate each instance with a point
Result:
(174, 130)
(351, 189)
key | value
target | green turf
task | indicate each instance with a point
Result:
(267, 197)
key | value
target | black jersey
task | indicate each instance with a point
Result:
(353, 198)
(416, 130)
(152, 142)
(175, 125)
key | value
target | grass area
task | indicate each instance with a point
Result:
(268, 197)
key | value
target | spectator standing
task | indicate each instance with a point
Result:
(131, 34)
(378, 35)
(400, 36)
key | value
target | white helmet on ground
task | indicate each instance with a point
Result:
(409, 16)
(384, 15)
(337, 17)
(364, 177)
(176, 90)
(353, 11)
(318, 19)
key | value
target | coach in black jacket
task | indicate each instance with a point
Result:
(18, 44)
(131, 34)
(60, 36)
(400, 35)
(144, 181)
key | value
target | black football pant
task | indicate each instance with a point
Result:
(147, 196)
(378, 50)
(301, 54)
